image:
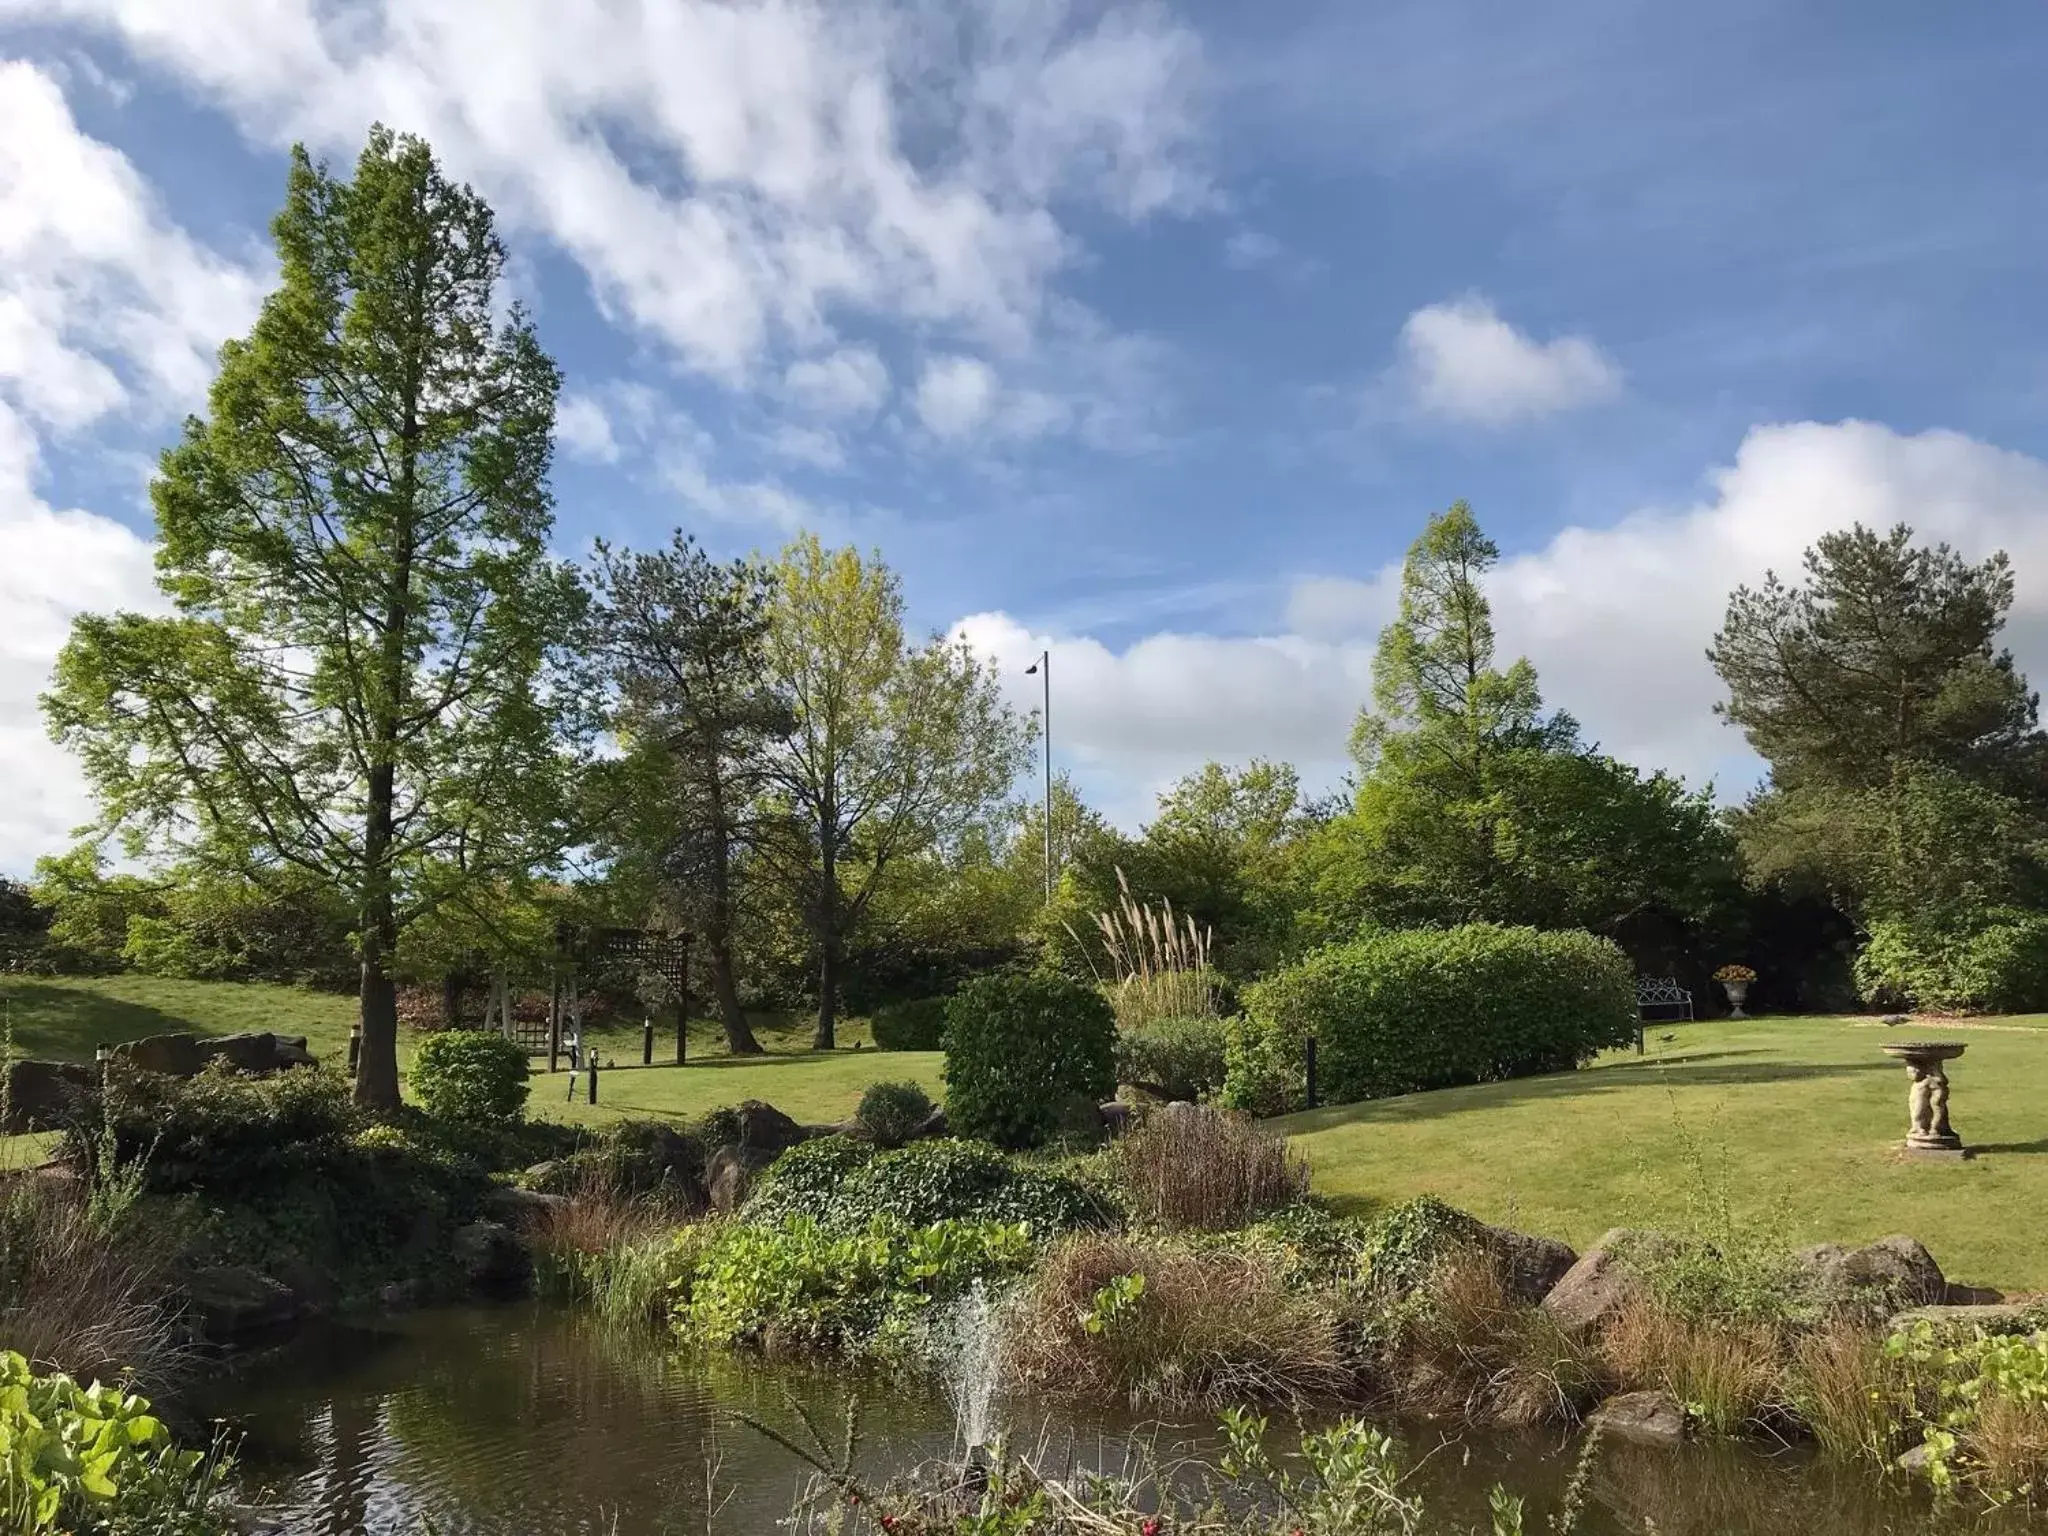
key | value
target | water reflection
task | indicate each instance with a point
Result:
(531, 1421)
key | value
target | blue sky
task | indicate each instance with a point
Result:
(1150, 333)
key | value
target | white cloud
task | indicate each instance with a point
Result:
(105, 307)
(807, 445)
(1616, 619)
(1250, 248)
(955, 395)
(851, 381)
(790, 162)
(584, 430)
(1461, 360)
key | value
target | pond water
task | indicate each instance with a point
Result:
(532, 1421)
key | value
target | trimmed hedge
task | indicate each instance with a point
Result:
(1180, 1058)
(1998, 966)
(845, 1185)
(918, 1025)
(1430, 1008)
(1021, 1051)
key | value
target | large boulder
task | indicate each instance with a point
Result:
(1642, 1418)
(1599, 1285)
(45, 1095)
(1893, 1272)
(1530, 1266)
(1980, 1317)
(186, 1055)
(228, 1302)
(522, 1209)
(729, 1176)
(764, 1128)
(492, 1258)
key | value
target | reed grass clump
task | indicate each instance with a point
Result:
(1190, 1166)
(1158, 961)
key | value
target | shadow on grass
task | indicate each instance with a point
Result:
(1433, 1104)
(2018, 1148)
(60, 1023)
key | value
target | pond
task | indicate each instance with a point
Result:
(533, 1421)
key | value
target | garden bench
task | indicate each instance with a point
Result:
(1662, 992)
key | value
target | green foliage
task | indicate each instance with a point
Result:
(94, 1458)
(917, 1024)
(891, 1113)
(90, 910)
(1018, 1047)
(1402, 1246)
(1995, 964)
(893, 750)
(219, 1131)
(363, 672)
(1264, 1067)
(843, 1186)
(472, 1075)
(1967, 1396)
(1176, 1058)
(289, 928)
(794, 1284)
(1398, 1012)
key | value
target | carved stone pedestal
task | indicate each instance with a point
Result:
(1929, 1135)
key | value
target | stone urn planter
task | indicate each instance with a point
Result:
(1738, 994)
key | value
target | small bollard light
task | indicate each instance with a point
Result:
(355, 1047)
(647, 1042)
(593, 1077)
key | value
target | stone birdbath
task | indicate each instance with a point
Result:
(1928, 1133)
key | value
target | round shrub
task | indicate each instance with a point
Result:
(470, 1075)
(219, 1131)
(1394, 1012)
(807, 1179)
(1998, 965)
(1174, 1058)
(845, 1185)
(916, 1025)
(1017, 1046)
(892, 1113)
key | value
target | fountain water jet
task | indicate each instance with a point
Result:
(965, 1342)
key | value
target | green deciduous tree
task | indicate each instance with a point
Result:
(684, 641)
(894, 749)
(356, 677)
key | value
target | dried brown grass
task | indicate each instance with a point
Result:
(606, 1250)
(1849, 1394)
(85, 1294)
(1730, 1373)
(1469, 1348)
(1211, 1328)
(1199, 1167)
(2008, 1445)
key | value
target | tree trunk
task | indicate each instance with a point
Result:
(828, 993)
(377, 1067)
(451, 999)
(739, 1035)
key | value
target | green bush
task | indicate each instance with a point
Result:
(892, 1113)
(1995, 964)
(219, 1131)
(843, 1186)
(794, 1284)
(471, 1075)
(1395, 1012)
(916, 1025)
(1177, 1058)
(79, 1458)
(1264, 1072)
(1018, 1047)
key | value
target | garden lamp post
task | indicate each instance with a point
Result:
(1042, 670)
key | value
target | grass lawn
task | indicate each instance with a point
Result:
(1790, 1124)
(68, 1018)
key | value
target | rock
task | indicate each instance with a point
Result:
(1916, 1459)
(1116, 1117)
(186, 1055)
(1894, 1020)
(1598, 1285)
(1894, 1271)
(764, 1128)
(1530, 1266)
(232, 1301)
(492, 1257)
(933, 1127)
(1642, 1418)
(45, 1095)
(521, 1209)
(730, 1175)
(1990, 1317)
(399, 1295)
